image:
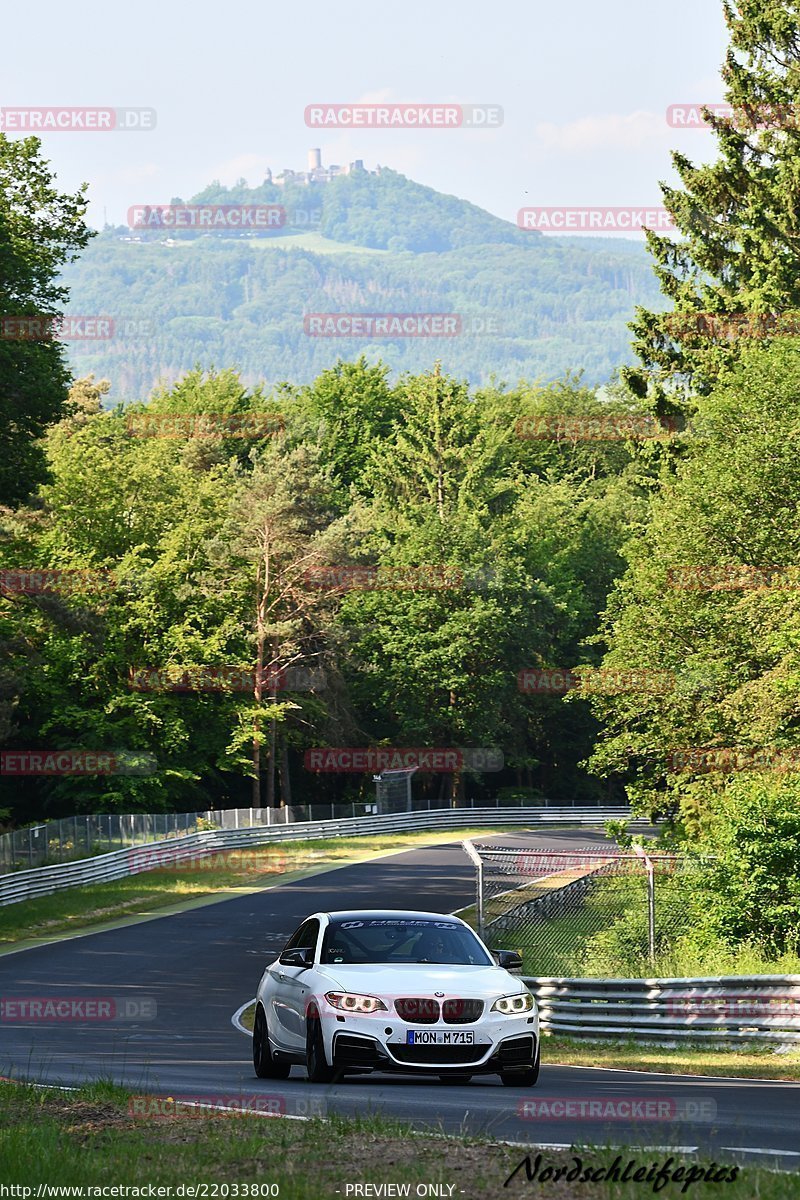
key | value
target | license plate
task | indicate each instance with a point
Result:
(440, 1037)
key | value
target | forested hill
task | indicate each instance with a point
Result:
(529, 307)
(382, 211)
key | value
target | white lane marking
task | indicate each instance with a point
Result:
(536, 1145)
(235, 1019)
(663, 1149)
(242, 1111)
(56, 1087)
(758, 1150)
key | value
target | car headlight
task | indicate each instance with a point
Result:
(352, 1002)
(519, 1003)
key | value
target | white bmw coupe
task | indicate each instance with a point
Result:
(415, 992)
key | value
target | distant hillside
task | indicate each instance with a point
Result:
(528, 306)
(384, 211)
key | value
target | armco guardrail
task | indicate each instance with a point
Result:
(757, 1007)
(41, 881)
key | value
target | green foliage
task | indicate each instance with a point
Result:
(737, 217)
(41, 230)
(208, 539)
(754, 826)
(731, 650)
(618, 832)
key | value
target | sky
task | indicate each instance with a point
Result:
(584, 87)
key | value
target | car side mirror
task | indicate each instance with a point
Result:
(301, 956)
(511, 960)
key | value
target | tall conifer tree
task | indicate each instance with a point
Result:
(738, 219)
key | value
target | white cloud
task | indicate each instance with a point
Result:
(613, 131)
(251, 167)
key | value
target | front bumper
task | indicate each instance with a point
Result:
(500, 1045)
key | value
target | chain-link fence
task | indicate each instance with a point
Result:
(598, 912)
(81, 836)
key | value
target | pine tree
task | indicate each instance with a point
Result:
(739, 219)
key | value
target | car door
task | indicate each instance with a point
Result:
(290, 990)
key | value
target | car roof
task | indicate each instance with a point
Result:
(388, 914)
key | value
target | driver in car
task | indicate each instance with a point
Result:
(431, 947)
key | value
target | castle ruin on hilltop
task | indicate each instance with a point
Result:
(316, 173)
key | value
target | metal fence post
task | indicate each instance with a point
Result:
(651, 908)
(476, 859)
(651, 903)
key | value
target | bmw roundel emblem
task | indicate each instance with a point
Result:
(438, 993)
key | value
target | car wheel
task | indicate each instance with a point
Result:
(527, 1077)
(265, 1065)
(454, 1078)
(316, 1062)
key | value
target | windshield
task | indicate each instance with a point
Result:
(402, 940)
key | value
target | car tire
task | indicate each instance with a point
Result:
(455, 1078)
(264, 1062)
(316, 1062)
(527, 1077)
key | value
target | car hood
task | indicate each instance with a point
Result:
(416, 979)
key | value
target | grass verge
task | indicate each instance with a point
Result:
(753, 1062)
(89, 1138)
(221, 875)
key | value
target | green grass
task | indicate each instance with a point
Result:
(89, 1138)
(141, 895)
(750, 1062)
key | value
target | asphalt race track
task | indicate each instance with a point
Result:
(200, 966)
